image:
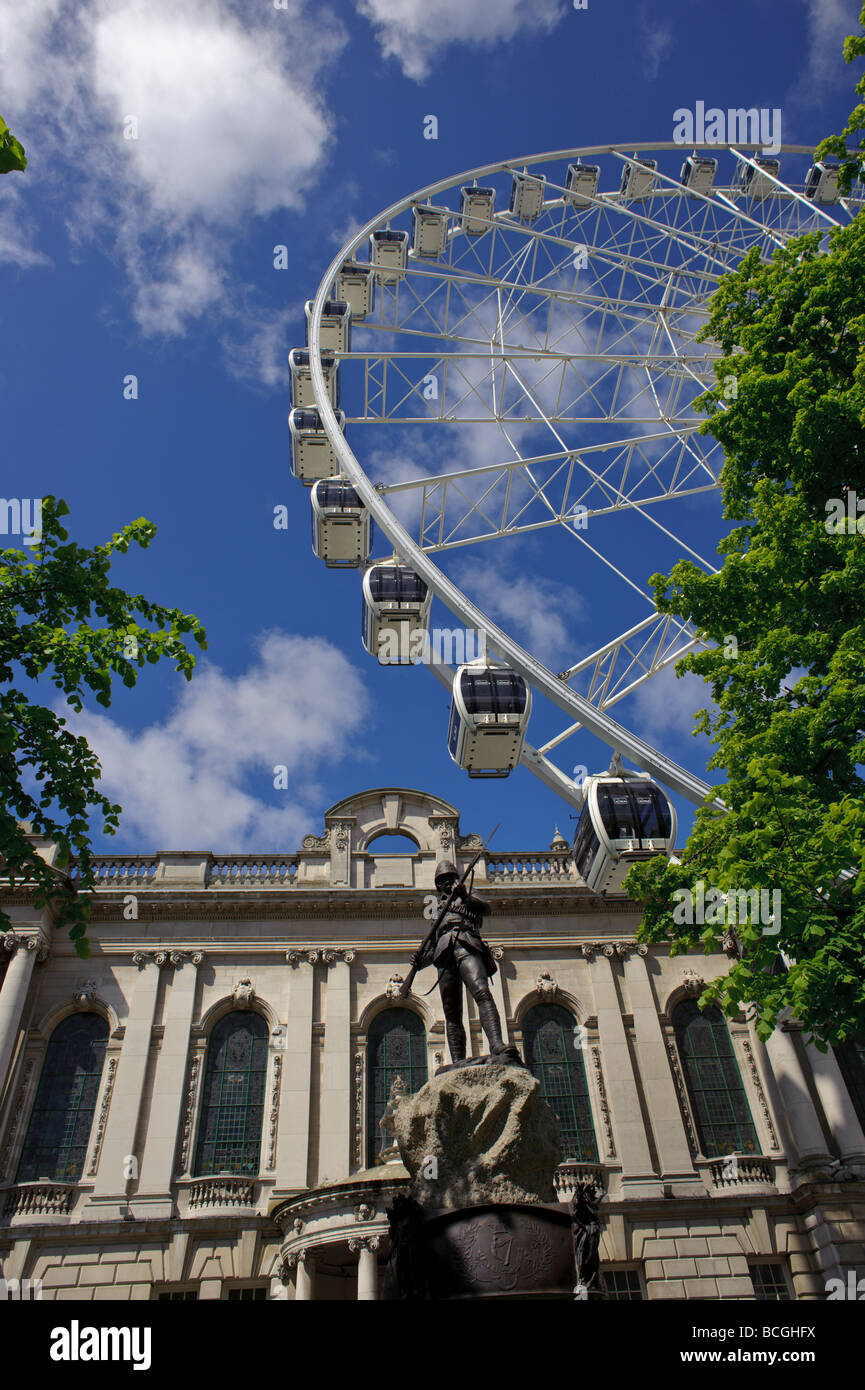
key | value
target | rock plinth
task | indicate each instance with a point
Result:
(479, 1135)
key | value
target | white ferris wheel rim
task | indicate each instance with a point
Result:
(536, 674)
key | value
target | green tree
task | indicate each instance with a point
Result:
(790, 704)
(12, 154)
(852, 160)
(62, 619)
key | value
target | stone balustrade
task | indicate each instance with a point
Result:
(40, 1199)
(208, 1194)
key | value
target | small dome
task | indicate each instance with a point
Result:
(559, 841)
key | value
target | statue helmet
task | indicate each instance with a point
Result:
(445, 867)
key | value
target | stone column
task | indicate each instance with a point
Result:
(497, 990)
(662, 1101)
(13, 996)
(807, 1134)
(837, 1105)
(154, 1197)
(302, 1261)
(292, 1145)
(109, 1193)
(367, 1267)
(335, 1137)
(638, 1177)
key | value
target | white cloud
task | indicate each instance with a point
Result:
(656, 37)
(665, 704)
(415, 31)
(536, 612)
(230, 124)
(205, 776)
(829, 23)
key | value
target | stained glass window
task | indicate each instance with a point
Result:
(851, 1059)
(229, 1135)
(718, 1100)
(396, 1048)
(59, 1129)
(549, 1033)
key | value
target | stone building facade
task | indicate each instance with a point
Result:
(195, 1111)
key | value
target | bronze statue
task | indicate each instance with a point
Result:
(461, 956)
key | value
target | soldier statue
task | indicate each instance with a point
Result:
(456, 949)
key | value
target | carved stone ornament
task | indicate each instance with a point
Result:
(470, 842)
(298, 957)
(546, 986)
(243, 993)
(393, 986)
(342, 833)
(364, 1243)
(317, 841)
(692, 983)
(364, 1212)
(84, 993)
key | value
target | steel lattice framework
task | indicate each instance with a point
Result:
(570, 341)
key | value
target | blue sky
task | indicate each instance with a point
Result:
(260, 126)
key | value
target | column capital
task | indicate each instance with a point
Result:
(14, 941)
(157, 958)
(371, 1243)
(301, 957)
(179, 958)
(295, 1257)
(332, 955)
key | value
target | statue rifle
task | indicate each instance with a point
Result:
(405, 988)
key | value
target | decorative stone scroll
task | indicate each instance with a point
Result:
(761, 1095)
(609, 1141)
(274, 1112)
(103, 1115)
(357, 1103)
(188, 1112)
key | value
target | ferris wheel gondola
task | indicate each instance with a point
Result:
(626, 817)
(341, 524)
(335, 331)
(302, 390)
(395, 617)
(312, 454)
(490, 710)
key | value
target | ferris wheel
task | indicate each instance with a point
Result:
(513, 353)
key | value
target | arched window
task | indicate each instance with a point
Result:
(392, 844)
(718, 1100)
(396, 1048)
(59, 1129)
(549, 1037)
(232, 1109)
(851, 1059)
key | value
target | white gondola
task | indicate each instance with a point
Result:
(341, 524)
(698, 173)
(429, 231)
(582, 184)
(527, 196)
(334, 335)
(355, 285)
(490, 709)
(388, 252)
(302, 393)
(821, 185)
(759, 181)
(476, 209)
(638, 180)
(312, 454)
(395, 619)
(626, 817)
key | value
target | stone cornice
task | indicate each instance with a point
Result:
(359, 904)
